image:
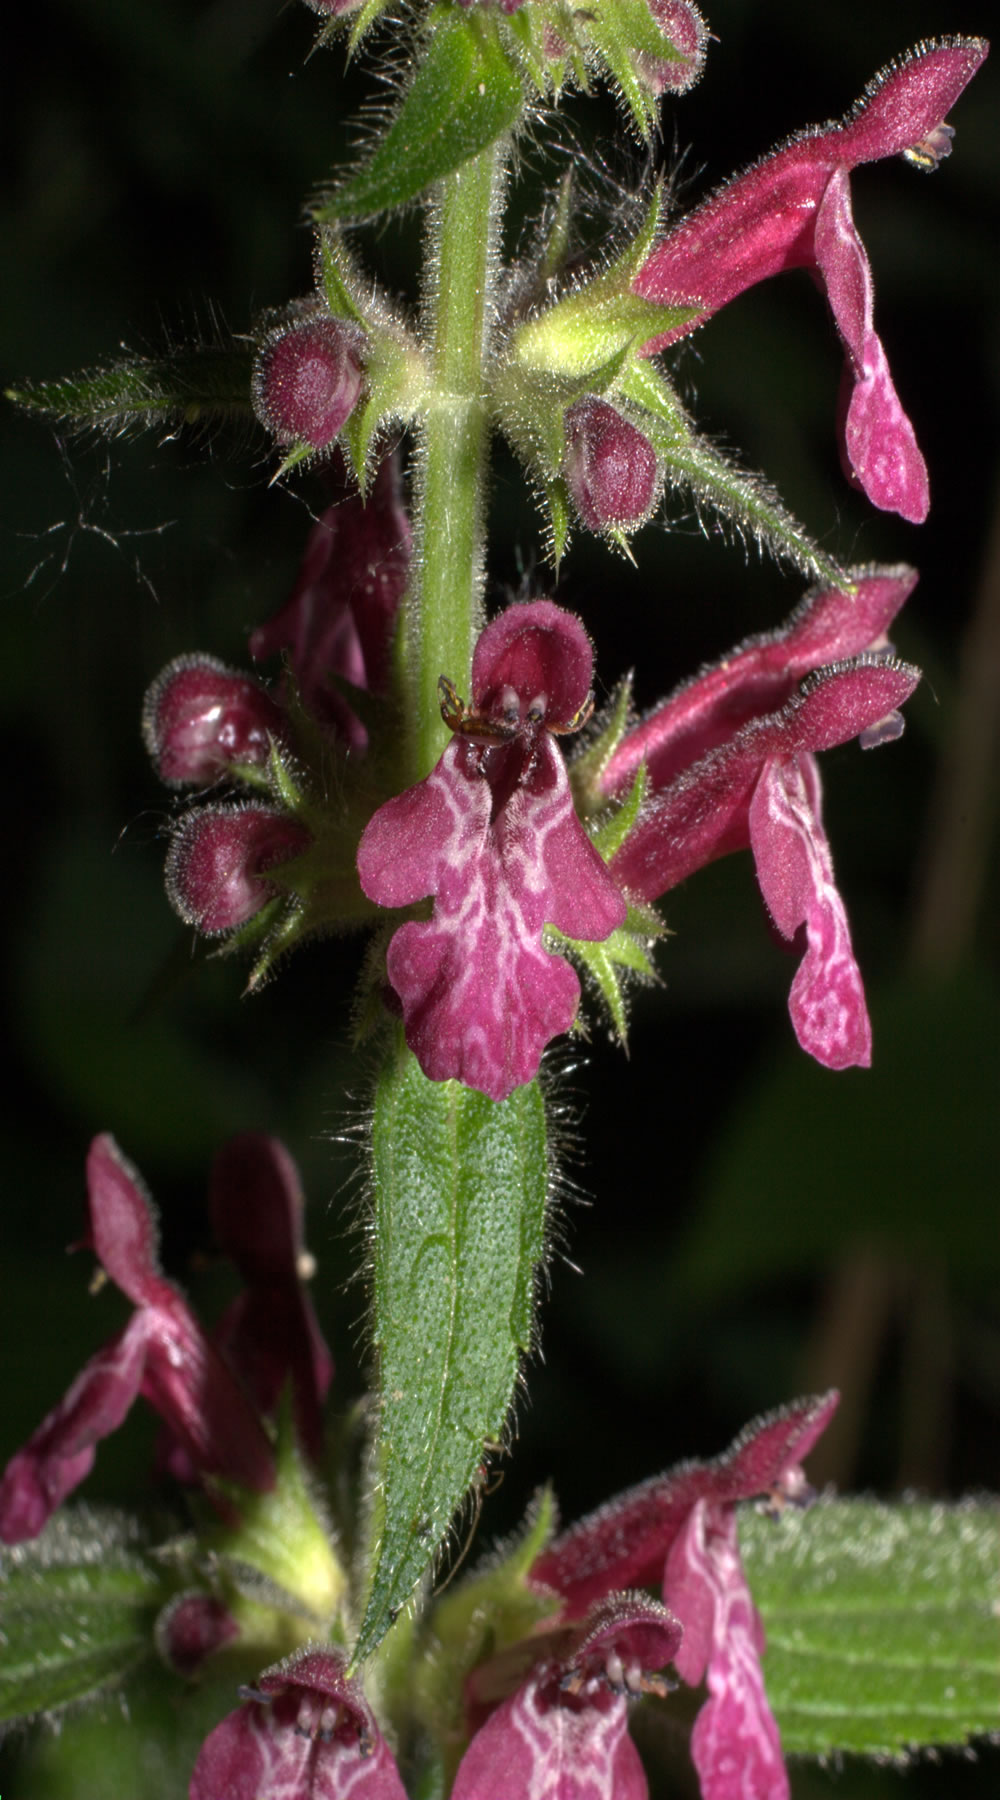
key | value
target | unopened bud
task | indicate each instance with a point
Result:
(610, 466)
(218, 859)
(687, 31)
(191, 1628)
(307, 380)
(199, 718)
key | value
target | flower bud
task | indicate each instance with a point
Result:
(307, 380)
(217, 859)
(686, 29)
(199, 718)
(610, 467)
(192, 1627)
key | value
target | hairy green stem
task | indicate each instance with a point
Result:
(445, 601)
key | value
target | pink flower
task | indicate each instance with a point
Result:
(162, 1354)
(793, 210)
(731, 763)
(492, 835)
(270, 1333)
(303, 1733)
(564, 1731)
(679, 1530)
(340, 617)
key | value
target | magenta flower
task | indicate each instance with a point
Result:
(730, 759)
(564, 1731)
(341, 615)
(270, 1334)
(793, 210)
(492, 834)
(305, 1732)
(679, 1530)
(162, 1354)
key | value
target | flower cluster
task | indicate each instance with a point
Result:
(548, 1713)
(541, 1711)
(729, 763)
(212, 1392)
(204, 723)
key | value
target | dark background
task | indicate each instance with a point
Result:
(748, 1226)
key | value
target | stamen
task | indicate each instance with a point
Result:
(932, 149)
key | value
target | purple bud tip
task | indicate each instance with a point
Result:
(217, 860)
(200, 717)
(610, 466)
(307, 380)
(688, 33)
(191, 1628)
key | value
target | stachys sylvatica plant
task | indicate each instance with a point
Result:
(432, 779)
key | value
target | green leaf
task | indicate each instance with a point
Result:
(464, 96)
(460, 1185)
(79, 1604)
(191, 385)
(881, 1621)
(144, 1753)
